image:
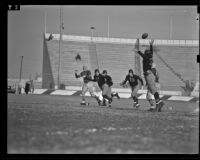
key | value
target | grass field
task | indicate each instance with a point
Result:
(58, 124)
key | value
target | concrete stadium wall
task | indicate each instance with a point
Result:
(117, 58)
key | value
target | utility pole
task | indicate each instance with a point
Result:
(20, 74)
(45, 16)
(92, 28)
(170, 32)
(59, 56)
(108, 34)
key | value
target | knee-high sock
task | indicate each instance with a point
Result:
(135, 99)
(108, 98)
(157, 97)
(113, 94)
(151, 102)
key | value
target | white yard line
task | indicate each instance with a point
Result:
(39, 91)
(63, 92)
(180, 98)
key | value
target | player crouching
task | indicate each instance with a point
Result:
(135, 83)
(88, 84)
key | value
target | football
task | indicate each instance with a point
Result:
(144, 35)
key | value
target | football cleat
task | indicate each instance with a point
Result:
(137, 105)
(159, 106)
(134, 104)
(117, 95)
(85, 103)
(109, 105)
(152, 109)
(99, 102)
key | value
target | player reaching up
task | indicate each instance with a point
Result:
(88, 84)
(135, 83)
(148, 75)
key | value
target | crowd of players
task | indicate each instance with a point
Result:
(135, 82)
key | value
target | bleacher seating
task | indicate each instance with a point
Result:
(118, 58)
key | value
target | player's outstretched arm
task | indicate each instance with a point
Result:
(76, 74)
(151, 45)
(124, 82)
(94, 79)
(140, 79)
(139, 52)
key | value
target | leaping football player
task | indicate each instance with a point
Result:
(149, 77)
(149, 95)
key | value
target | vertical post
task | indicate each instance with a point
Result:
(59, 52)
(170, 32)
(92, 28)
(20, 74)
(108, 28)
(19, 88)
(45, 15)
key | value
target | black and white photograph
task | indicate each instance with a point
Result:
(102, 79)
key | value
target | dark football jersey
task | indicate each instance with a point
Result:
(147, 59)
(108, 80)
(86, 76)
(99, 79)
(133, 80)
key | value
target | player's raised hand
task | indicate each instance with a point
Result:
(151, 42)
(122, 85)
(76, 71)
(135, 50)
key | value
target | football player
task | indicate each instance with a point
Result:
(98, 77)
(149, 95)
(135, 83)
(88, 85)
(149, 77)
(106, 88)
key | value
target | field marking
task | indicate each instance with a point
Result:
(180, 98)
(124, 95)
(128, 90)
(74, 88)
(171, 93)
(63, 92)
(39, 91)
(143, 96)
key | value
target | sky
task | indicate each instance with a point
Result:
(26, 28)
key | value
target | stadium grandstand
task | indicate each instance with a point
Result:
(176, 60)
